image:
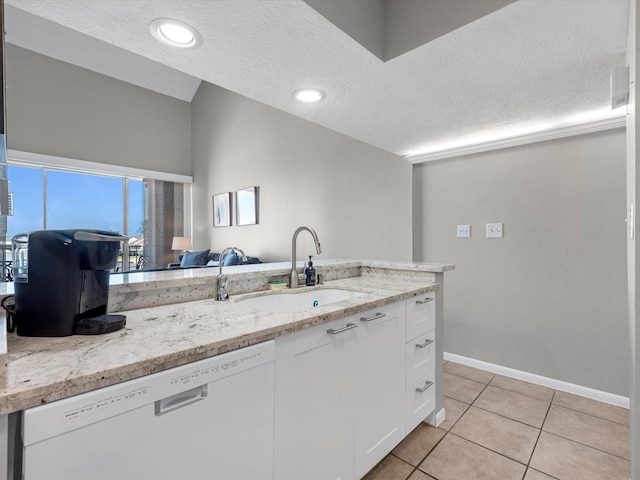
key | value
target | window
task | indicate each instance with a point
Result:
(27, 186)
(150, 212)
(78, 200)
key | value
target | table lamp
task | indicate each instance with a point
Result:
(181, 244)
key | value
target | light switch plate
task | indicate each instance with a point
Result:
(494, 230)
(464, 231)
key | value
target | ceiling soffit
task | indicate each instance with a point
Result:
(389, 28)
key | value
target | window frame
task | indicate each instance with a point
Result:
(49, 162)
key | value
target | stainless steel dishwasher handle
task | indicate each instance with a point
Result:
(373, 317)
(179, 400)
(426, 343)
(348, 326)
(427, 384)
(426, 300)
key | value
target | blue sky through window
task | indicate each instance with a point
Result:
(74, 200)
(28, 206)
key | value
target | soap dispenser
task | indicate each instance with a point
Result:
(310, 274)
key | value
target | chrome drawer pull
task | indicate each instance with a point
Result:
(373, 317)
(426, 343)
(348, 326)
(427, 384)
(426, 300)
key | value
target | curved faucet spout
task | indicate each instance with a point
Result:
(293, 277)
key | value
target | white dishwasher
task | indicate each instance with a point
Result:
(209, 419)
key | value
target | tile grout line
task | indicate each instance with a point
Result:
(585, 445)
(526, 465)
(472, 404)
(575, 441)
(523, 394)
(590, 414)
(509, 418)
(502, 388)
(492, 451)
(534, 470)
(540, 430)
(423, 458)
(543, 400)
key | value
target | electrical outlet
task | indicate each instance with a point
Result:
(464, 231)
(494, 230)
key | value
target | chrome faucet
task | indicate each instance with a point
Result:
(221, 280)
(293, 277)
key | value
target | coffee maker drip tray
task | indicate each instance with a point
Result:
(100, 324)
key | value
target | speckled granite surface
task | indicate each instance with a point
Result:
(156, 338)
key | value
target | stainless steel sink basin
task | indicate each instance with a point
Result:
(296, 300)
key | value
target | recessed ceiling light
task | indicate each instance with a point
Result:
(308, 95)
(175, 33)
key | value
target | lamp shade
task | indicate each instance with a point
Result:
(181, 243)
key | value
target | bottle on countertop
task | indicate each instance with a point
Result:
(310, 274)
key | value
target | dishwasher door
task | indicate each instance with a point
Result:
(209, 419)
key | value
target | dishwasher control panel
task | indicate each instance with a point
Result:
(64, 415)
(118, 401)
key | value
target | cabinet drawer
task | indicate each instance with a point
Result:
(420, 356)
(421, 315)
(318, 336)
(420, 400)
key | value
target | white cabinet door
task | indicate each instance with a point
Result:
(380, 384)
(314, 406)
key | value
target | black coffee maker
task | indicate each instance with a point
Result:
(61, 281)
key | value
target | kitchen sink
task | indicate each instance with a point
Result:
(295, 300)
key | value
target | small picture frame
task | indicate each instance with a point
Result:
(222, 210)
(247, 206)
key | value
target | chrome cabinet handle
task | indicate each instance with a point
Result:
(373, 317)
(426, 343)
(426, 300)
(348, 326)
(427, 384)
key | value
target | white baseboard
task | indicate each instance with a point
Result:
(587, 392)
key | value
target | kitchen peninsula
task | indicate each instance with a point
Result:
(172, 321)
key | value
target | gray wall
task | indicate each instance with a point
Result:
(633, 266)
(357, 197)
(55, 108)
(550, 297)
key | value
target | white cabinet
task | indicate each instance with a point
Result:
(380, 385)
(420, 361)
(314, 408)
(327, 403)
(342, 399)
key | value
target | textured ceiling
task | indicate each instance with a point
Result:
(532, 62)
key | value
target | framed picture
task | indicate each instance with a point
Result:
(247, 206)
(222, 210)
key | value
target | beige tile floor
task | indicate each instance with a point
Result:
(498, 428)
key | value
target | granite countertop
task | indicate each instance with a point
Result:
(41, 370)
